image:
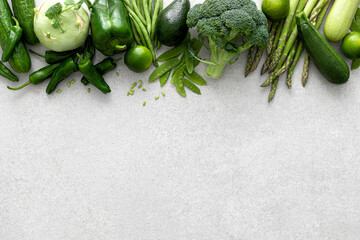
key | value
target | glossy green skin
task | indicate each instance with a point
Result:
(13, 39)
(171, 27)
(110, 27)
(6, 73)
(52, 57)
(93, 76)
(24, 13)
(43, 73)
(20, 59)
(89, 49)
(328, 62)
(102, 67)
(61, 72)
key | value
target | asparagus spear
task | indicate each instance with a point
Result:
(271, 38)
(273, 47)
(257, 59)
(309, 6)
(299, 50)
(273, 89)
(284, 33)
(249, 62)
(316, 17)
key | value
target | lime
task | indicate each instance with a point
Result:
(275, 10)
(351, 45)
(138, 59)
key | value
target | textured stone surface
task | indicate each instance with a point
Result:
(225, 165)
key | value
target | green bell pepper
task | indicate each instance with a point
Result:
(110, 27)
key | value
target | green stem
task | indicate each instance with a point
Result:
(305, 74)
(257, 60)
(147, 16)
(274, 85)
(38, 54)
(21, 87)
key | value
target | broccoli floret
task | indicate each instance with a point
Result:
(231, 27)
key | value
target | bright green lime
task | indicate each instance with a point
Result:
(275, 10)
(138, 59)
(351, 45)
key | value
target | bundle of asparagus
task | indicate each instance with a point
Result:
(284, 47)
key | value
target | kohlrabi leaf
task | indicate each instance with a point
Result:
(355, 26)
(54, 11)
(355, 64)
(69, 2)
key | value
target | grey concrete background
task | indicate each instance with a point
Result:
(225, 165)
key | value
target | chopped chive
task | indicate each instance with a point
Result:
(144, 89)
(132, 90)
(131, 93)
(69, 84)
(140, 86)
(141, 82)
(88, 90)
(128, 93)
(144, 103)
(157, 97)
(163, 93)
(72, 81)
(117, 74)
(59, 91)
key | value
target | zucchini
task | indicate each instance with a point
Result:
(24, 13)
(339, 20)
(327, 61)
(20, 59)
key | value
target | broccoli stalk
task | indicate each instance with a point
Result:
(231, 27)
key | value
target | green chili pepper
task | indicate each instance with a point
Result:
(52, 57)
(89, 49)
(89, 71)
(6, 73)
(38, 76)
(111, 27)
(12, 40)
(61, 72)
(103, 67)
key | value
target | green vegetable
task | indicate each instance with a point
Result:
(172, 53)
(163, 68)
(24, 12)
(6, 73)
(61, 27)
(171, 27)
(164, 78)
(92, 75)
(52, 57)
(355, 25)
(103, 67)
(179, 83)
(19, 61)
(39, 76)
(191, 86)
(89, 49)
(65, 69)
(13, 39)
(110, 26)
(339, 19)
(223, 22)
(329, 63)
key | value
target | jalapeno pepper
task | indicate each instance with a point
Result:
(92, 75)
(52, 57)
(38, 76)
(6, 73)
(61, 72)
(12, 40)
(103, 67)
(110, 27)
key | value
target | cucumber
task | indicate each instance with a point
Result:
(327, 61)
(20, 60)
(24, 13)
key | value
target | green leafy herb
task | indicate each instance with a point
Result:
(355, 26)
(54, 11)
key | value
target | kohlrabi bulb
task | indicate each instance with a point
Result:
(71, 32)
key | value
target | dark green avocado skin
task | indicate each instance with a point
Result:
(171, 28)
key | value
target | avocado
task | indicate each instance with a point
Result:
(171, 28)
